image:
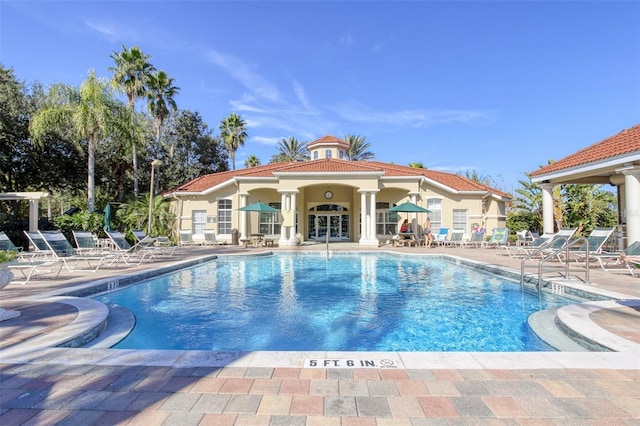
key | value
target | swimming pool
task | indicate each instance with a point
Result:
(352, 302)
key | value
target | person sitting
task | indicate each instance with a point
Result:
(426, 231)
(404, 228)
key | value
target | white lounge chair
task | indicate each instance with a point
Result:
(210, 238)
(71, 259)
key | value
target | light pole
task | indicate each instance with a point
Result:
(154, 164)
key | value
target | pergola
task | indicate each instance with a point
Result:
(34, 202)
(615, 161)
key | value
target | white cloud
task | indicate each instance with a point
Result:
(240, 71)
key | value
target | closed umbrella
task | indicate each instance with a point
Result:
(107, 218)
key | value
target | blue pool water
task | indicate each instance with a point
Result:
(352, 302)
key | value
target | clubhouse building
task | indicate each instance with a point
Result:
(329, 195)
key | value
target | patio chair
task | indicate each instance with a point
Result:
(612, 262)
(64, 252)
(553, 243)
(523, 250)
(524, 238)
(32, 268)
(499, 237)
(210, 238)
(41, 249)
(163, 243)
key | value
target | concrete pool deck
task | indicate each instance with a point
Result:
(40, 384)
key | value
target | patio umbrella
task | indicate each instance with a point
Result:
(409, 208)
(107, 218)
(258, 207)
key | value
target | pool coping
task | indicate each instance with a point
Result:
(628, 358)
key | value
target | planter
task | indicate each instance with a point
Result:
(6, 276)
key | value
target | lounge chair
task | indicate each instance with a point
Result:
(612, 262)
(595, 243)
(476, 240)
(553, 243)
(163, 243)
(455, 240)
(40, 246)
(32, 268)
(210, 238)
(86, 242)
(138, 253)
(499, 237)
(523, 250)
(64, 252)
(186, 238)
(7, 245)
(441, 237)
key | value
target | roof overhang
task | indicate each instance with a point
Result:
(598, 172)
(23, 195)
(375, 174)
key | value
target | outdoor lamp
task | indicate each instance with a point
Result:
(155, 163)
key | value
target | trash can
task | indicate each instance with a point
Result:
(235, 237)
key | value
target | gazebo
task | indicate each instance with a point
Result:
(34, 201)
(615, 161)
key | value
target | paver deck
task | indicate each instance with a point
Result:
(107, 386)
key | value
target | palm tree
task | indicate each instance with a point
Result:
(130, 75)
(290, 150)
(88, 114)
(251, 161)
(416, 165)
(160, 99)
(233, 133)
(358, 148)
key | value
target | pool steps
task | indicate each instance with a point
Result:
(120, 322)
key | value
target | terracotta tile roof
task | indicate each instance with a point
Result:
(625, 142)
(328, 139)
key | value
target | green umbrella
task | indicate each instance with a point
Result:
(409, 208)
(107, 218)
(258, 207)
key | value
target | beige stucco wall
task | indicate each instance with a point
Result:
(311, 190)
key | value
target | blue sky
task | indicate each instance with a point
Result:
(497, 87)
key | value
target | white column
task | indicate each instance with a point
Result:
(547, 208)
(33, 215)
(293, 231)
(364, 231)
(373, 240)
(243, 216)
(632, 198)
(283, 230)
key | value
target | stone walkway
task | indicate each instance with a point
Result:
(107, 386)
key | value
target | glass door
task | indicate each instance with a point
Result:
(335, 225)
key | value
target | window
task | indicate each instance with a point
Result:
(198, 221)
(386, 221)
(435, 205)
(460, 219)
(315, 155)
(270, 222)
(224, 216)
(342, 155)
(327, 153)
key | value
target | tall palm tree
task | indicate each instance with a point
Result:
(358, 148)
(88, 114)
(160, 99)
(251, 161)
(233, 133)
(130, 75)
(291, 150)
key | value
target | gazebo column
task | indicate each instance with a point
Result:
(548, 224)
(243, 216)
(632, 199)
(33, 215)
